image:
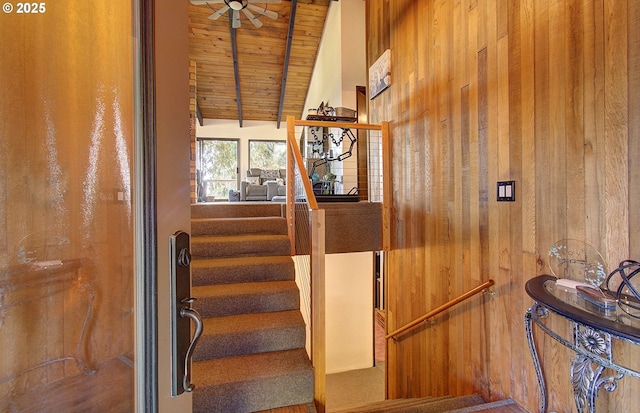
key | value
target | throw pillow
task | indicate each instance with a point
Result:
(269, 174)
(253, 180)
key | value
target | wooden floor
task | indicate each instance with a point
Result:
(511, 408)
(301, 408)
(514, 408)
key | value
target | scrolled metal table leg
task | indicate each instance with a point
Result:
(532, 312)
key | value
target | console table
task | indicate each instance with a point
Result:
(594, 332)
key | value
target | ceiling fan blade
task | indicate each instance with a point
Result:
(263, 11)
(256, 22)
(216, 15)
(235, 22)
(204, 2)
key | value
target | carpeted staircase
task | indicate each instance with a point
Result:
(251, 356)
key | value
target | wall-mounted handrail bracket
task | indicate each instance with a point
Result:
(489, 292)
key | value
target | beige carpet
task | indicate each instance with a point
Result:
(355, 387)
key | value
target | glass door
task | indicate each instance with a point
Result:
(217, 169)
(67, 279)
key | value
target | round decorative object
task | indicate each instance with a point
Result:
(625, 288)
(576, 260)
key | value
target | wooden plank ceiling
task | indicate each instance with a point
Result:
(261, 60)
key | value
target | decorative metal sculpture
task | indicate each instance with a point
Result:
(626, 293)
(328, 156)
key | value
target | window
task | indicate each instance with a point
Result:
(217, 164)
(267, 154)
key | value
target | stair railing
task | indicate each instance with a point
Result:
(306, 225)
(306, 228)
(440, 309)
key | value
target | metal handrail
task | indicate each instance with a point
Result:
(440, 309)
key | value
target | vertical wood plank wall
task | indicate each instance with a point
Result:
(546, 93)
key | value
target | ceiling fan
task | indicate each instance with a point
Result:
(236, 6)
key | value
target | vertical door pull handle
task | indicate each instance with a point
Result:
(187, 311)
(183, 337)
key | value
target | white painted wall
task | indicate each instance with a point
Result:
(349, 311)
(326, 81)
(340, 67)
(341, 62)
(354, 69)
(349, 317)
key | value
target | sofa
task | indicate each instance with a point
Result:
(276, 191)
(263, 185)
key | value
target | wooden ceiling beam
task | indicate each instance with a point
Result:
(259, 58)
(287, 56)
(236, 72)
(199, 115)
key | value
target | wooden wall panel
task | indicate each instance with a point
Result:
(543, 92)
(634, 127)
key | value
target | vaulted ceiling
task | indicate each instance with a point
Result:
(265, 75)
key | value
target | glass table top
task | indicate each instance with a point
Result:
(568, 303)
(571, 297)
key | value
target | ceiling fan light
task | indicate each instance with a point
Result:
(235, 4)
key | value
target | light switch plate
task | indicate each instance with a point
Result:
(506, 191)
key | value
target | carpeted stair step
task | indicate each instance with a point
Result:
(237, 209)
(238, 226)
(250, 334)
(253, 382)
(426, 405)
(239, 246)
(239, 270)
(231, 299)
